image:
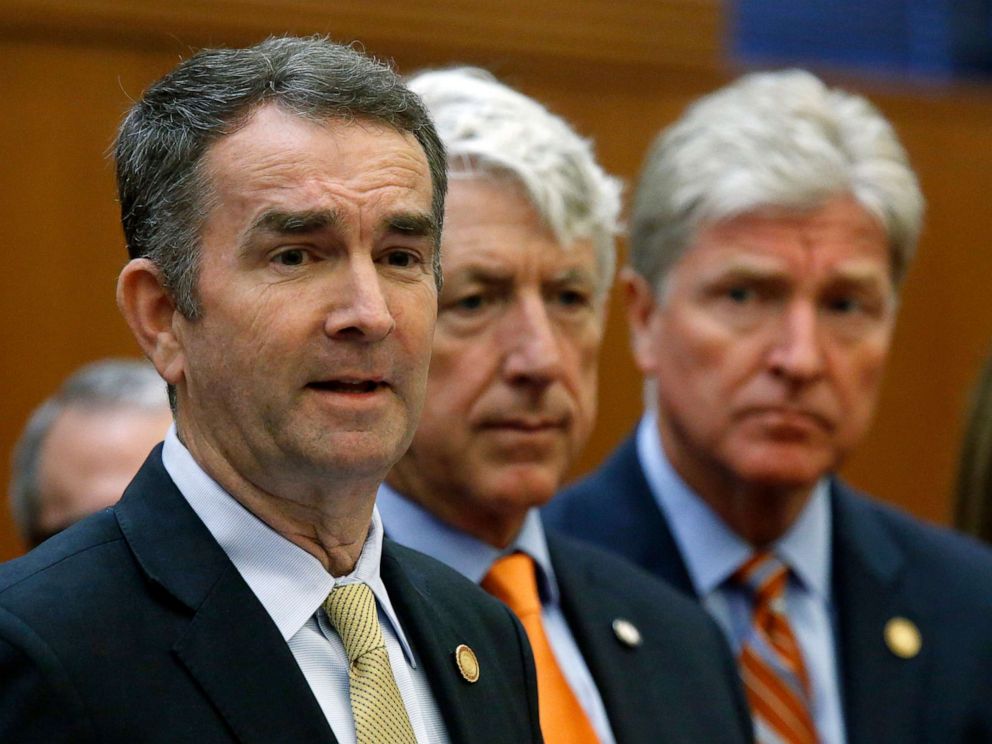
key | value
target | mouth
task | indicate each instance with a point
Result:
(349, 386)
(525, 424)
(791, 417)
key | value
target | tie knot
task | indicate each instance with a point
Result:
(351, 610)
(764, 576)
(513, 581)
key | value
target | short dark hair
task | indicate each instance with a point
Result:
(161, 143)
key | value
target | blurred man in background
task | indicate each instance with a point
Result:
(772, 227)
(82, 446)
(528, 257)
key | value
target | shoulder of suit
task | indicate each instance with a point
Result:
(631, 587)
(64, 553)
(956, 562)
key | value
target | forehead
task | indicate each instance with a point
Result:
(286, 160)
(838, 239)
(489, 222)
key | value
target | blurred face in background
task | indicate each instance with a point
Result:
(511, 394)
(87, 459)
(767, 345)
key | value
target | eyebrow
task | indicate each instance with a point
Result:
(282, 222)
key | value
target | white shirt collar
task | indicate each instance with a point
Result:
(290, 583)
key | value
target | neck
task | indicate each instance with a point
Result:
(493, 527)
(329, 519)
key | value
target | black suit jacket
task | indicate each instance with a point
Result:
(134, 626)
(885, 565)
(680, 684)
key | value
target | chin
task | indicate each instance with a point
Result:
(524, 487)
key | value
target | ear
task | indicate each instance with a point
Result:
(641, 318)
(151, 314)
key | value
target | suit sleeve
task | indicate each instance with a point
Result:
(37, 701)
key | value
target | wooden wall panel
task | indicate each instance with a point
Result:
(619, 70)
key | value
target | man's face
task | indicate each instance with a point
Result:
(87, 459)
(309, 362)
(768, 344)
(512, 391)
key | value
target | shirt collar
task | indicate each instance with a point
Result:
(711, 550)
(290, 583)
(410, 524)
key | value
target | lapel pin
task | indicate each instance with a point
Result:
(903, 637)
(467, 663)
(627, 633)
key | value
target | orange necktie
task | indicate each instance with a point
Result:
(771, 662)
(563, 721)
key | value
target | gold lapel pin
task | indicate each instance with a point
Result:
(627, 633)
(903, 637)
(467, 663)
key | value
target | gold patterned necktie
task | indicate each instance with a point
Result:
(380, 715)
(771, 661)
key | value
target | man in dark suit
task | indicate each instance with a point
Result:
(282, 207)
(772, 227)
(528, 254)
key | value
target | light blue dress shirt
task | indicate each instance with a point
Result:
(712, 552)
(407, 523)
(292, 585)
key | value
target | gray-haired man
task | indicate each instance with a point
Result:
(772, 227)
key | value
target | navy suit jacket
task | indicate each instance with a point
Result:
(885, 565)
(134, 626)
(680, 684)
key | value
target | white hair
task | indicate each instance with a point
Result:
(771, 140)
(492, 130)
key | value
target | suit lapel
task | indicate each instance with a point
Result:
(231, 647)
(883, 693)
(434, 642)
(637, 521)
(589, 608)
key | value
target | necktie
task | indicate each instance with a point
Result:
(771, 662)
(563, 721)
(380, 715)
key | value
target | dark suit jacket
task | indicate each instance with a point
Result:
(134, 626)
(680, 684)
(885, 565)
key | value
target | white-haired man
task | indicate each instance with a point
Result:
(528, 256)
(772, 226)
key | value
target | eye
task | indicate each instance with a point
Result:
(740, 294)
(843, 305)
(403, 259)
(470, 302)
(291, 257)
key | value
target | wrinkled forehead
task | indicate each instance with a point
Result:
(839, 238)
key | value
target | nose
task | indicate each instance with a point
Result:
(797, 353)
(533, 355)
(359, 310)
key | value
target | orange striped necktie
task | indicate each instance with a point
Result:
(563, 721)
(771, 661)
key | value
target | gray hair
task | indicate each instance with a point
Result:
(163, 190)
(492, 130)
(102, 385)
(778, 140)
